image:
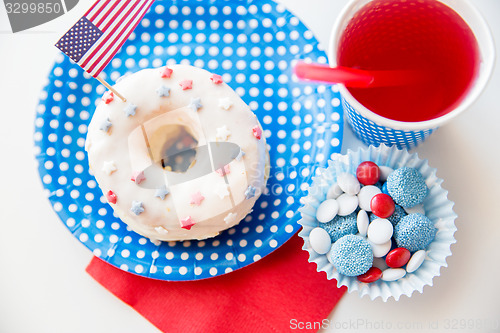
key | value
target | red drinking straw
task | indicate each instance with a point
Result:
(358, 78)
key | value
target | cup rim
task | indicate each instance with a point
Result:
(488, 59)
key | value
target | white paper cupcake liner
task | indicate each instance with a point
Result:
(437, 207)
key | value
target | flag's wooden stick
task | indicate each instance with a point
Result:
(112, 89)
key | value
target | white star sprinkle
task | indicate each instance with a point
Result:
(230, 218)
(161, 230)
(221, 191)
(222, 133)
(225, 103)
(109, 167)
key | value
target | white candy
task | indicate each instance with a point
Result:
(380, 250)
(385, 171)
(365, 196)
(393, 274)
(362, 222)
(349, 183)
(380, 231)
(347, 204)
(415, 261)
(320, 240)
(415, 209)
(334, 191)
(327, 210)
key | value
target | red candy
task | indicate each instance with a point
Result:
(111, 196)
(372, 275)
(368, 173)
(382, 205)
(397, 257)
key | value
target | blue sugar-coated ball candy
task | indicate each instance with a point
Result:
(384, 189)
(398, 214)
(414, 232)
(351, 255)
(341, 226)
(407, 187)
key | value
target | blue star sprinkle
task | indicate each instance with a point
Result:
(163, 91)
(106, 124)
(137, 207)
(250, 192)
(130, 110)
(195, 103)
(240, 155)
(162, 192)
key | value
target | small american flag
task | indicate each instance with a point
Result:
(94, 40)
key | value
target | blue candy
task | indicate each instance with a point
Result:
(341, 226)
(351, 255)
(398, 214)
(414, 232)
(384, 189)
(407, 187)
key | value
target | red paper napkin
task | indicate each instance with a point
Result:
(280, 293)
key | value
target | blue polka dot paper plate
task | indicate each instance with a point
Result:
(254, 45)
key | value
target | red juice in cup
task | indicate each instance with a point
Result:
(423, 35)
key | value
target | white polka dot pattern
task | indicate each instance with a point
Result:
(373, 134)
(301, 128)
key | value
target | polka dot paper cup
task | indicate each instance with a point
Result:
(436, 205)
(373, 128)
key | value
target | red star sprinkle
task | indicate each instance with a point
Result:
(223, 171)
(138, 177)
(187, 223)
(111, 196)
(257, 132)
(196, 198)
(217, 79)
(108, 97)
(166, 73)
(186, 84)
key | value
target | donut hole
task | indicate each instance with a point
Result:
(175, 147)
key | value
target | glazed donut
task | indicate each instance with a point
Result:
(189, 116)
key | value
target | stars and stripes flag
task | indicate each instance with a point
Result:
(94, 40)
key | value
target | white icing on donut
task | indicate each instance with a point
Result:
(125, 154)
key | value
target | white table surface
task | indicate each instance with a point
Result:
(43, 285)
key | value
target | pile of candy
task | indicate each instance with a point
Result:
(373, 224)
